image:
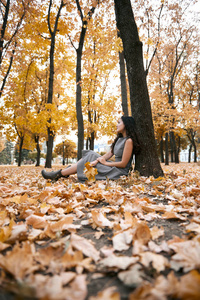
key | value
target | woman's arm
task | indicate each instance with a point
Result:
(128, 149)
(105, 157)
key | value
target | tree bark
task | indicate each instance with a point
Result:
(123, 84)
(79, 113)
(195, 147)
(176, 151)
(51, 79)
(171, 147)
(20, 151)
(189, 153)
(38, 151)
(8, 71)
(79, 52)
(122, 69)
(3, 29)
(195, 152)
(166, 149)
(4, 45)
(147, 161)
(161, 151)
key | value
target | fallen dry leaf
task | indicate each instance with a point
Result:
(132, 277)
(132, 228)
(12, 261)
(100, 220)
(158, 261)
(120, 262)
(121, 241)
(108, 294)
(189, 286)
(85, 246)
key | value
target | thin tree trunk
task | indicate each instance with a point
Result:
(87, 144)
(20, 151)
(162, 150)
(176, 152)
(51, 79)
(92, 138)
(3, 28)
(195, 152)
(166, 149)
(179, 145)
(171, 146)
(174, 146)
(189, 153)
(8, 71)
(79, 52)
(38, 151)
(195, 148)
(79, 113)
(147, 161)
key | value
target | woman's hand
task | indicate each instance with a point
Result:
(101, 160)
(94, 163)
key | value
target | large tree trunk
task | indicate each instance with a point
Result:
(122, 69)
(123, 84)
(147, 161)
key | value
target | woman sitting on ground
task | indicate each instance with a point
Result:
(124, 146)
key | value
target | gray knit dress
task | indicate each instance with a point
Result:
(104, 171)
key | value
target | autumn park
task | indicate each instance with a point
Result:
(72, 73)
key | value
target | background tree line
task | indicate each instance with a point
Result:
(65, 66)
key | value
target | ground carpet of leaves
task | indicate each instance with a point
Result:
(135, 238)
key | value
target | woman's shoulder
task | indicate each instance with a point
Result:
(129, 141)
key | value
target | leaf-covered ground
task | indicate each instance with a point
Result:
(136, 238)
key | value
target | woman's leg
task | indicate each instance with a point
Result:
(69, 171)
(55, 175)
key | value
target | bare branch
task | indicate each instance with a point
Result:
(48, 17)
(8, 71)
(58, 15)
(79, 9)
(156, 47)
(18, 26)
(44, 37)
(5, 20)
(71, 42)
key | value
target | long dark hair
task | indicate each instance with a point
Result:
(130, 127)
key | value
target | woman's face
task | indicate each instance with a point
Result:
(120, 126)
